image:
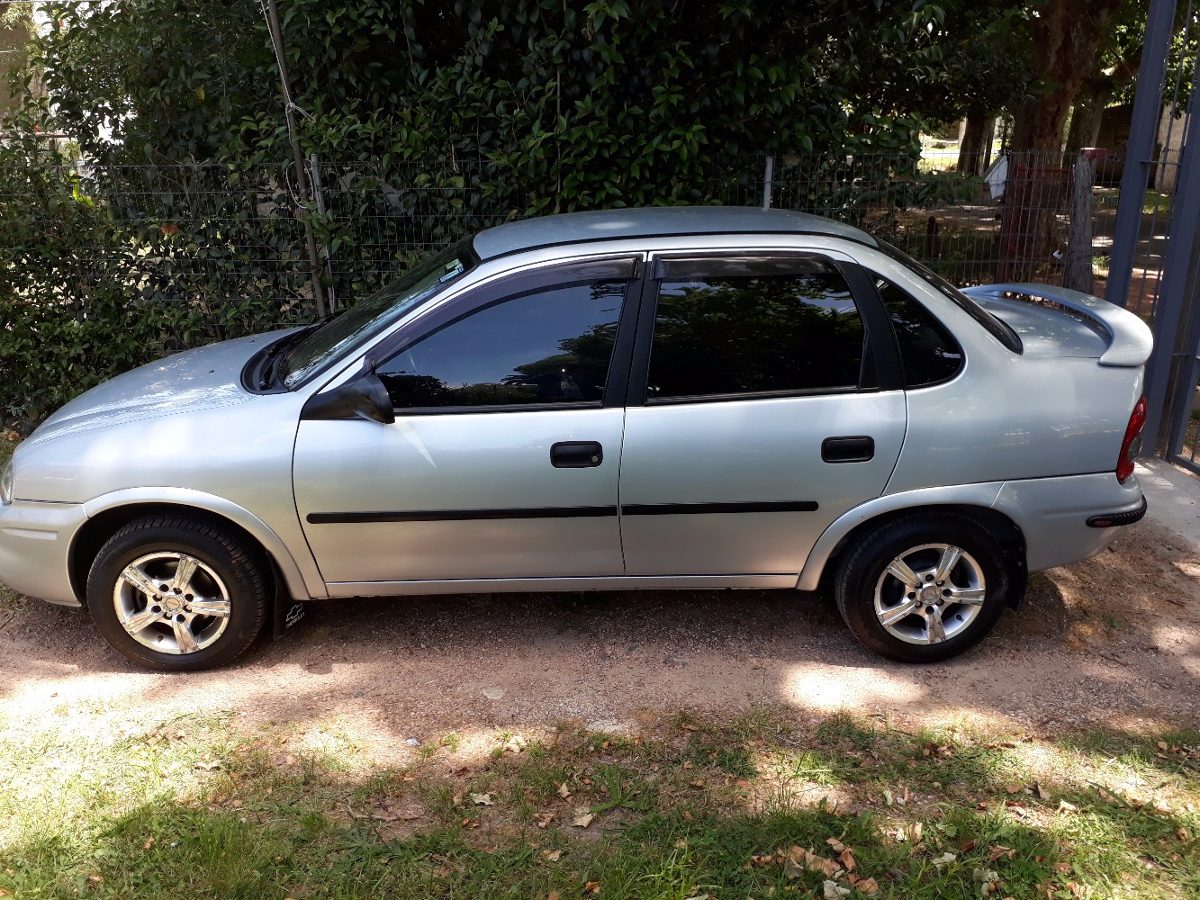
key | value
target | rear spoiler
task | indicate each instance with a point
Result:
(1129, 338)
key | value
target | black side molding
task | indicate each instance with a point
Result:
(676, 509)
(456, 515)
(1113, 520)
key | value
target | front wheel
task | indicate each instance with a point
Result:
(177, 594)
(923, 588)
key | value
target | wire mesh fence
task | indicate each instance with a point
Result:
(230, 239)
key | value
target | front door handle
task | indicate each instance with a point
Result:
(576, 455)
(856, 448)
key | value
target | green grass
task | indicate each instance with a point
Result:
(6, 450)
(195, 808)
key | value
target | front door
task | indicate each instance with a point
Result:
(762, 412)
(503, 459)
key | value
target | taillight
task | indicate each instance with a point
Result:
(1132, 445)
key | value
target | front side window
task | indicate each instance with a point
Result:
(755, 334)
(551, 346)
(371, 315)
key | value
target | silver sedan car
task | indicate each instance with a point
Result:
(657, 398)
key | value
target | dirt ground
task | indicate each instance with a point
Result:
(1112, 641)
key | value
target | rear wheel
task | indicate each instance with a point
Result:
(177, 594)
(923, 588)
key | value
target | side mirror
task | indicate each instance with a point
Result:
(365, 397)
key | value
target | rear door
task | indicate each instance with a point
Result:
(765, 401)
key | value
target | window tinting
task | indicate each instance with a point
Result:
(755, 334)
(928, 352)
(553, 346)
(997, 328)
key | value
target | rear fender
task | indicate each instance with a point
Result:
(979, 495)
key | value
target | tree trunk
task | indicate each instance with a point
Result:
(1067, 36)
(1085, 122)
(974, 141)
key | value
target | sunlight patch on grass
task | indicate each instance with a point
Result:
(760, 804)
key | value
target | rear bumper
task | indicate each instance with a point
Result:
(1064, 519)
(35, 541)
(1119, 519)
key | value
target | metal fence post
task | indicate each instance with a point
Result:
(1170, 373)
(1143, 129)
(768, 178)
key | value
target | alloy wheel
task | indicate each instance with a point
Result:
(930, 593)
(171, 602)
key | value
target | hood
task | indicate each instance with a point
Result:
(204, 378)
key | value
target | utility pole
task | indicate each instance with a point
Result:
(289, 112)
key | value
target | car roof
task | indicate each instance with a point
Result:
(662, 221)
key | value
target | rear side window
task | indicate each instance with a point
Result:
(928, 352)
(547, 347)
(760, 334)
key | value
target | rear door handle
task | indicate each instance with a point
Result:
(576, 455)
(856, 448)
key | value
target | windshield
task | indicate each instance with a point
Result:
(372, 314)
(998, 329)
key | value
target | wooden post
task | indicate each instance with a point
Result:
(1077, 271)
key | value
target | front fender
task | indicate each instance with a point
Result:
(300, 574)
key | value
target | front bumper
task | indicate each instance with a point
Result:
(35, 544)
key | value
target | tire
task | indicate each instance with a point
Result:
(153, 615)
(868, 590)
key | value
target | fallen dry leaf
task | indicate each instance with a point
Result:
(514, 744)
(799, 860)
(583, 817)
(846, 858)
(868, 886)
(697, 782)
(592, 887)
(1000, 852)
(545, 819)
(837, 845)
(552, 855)
(1064, 806)
(564, 791)
(483, 800)
(831, 890)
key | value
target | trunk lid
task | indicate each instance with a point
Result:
(1059, 322)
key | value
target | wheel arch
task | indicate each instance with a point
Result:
(844, 532)
(107, 514)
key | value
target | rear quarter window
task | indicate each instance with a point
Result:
(929, 354)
